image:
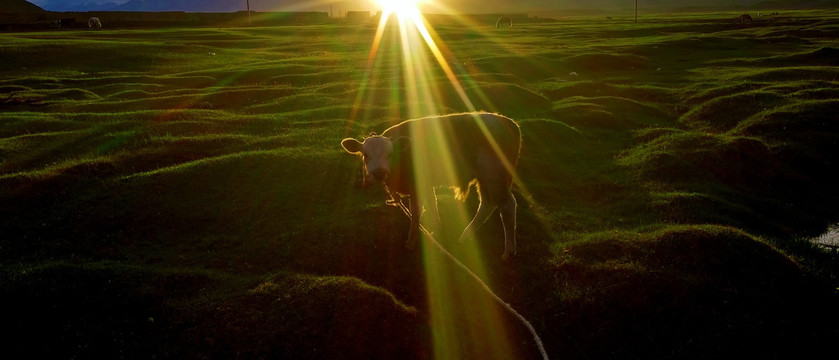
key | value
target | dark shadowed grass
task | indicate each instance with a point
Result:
(101, 310)
(678, 287)
(183, 194)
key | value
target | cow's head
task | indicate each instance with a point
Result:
(377, 153)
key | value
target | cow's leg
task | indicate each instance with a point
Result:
(488, 188)
(507, 209)
(433, 218)
(485, 209)
(416, 214)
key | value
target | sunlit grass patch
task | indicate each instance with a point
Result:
(607, 112)
(723, 113)
(824, 56)
(693, 156)
(557, 90)
(790, 73)
(226, 159)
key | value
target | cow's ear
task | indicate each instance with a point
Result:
(351, 145)
(402, 143)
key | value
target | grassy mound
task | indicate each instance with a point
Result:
(362, 321)
(695, 288)
(95, 310)
(708, 178)
(526, 68)
(509, 98)
(791, 74)
(804, 136)
(824, 56)
(107, 311)
(691, 156)
(805, 123)
(605, 62)
(774, 157)
(183, 194)
(607, 112)
(723, 113)
(558, 90)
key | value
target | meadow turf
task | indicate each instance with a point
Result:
(181, 193)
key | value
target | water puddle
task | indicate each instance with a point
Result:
(830, 239)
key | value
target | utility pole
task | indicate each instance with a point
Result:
(249, 10)
(636, 10)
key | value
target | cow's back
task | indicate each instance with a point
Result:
(454, 142)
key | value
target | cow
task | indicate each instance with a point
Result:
(66, 23)
(457, 150)
(746, 19)
(504, 20)
(94, 23)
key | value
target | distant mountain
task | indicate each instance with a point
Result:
(182, 5)
(466, 6)
(797, 4)
(78, 5)
(18, 6)
(613, 5)
(240, 5)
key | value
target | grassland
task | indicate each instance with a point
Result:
(181, 193)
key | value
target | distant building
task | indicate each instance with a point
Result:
(359, 16)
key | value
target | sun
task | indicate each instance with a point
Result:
(402, 8)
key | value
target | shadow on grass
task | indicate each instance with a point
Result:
(688, 291)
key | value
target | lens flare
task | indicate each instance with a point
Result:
(465, 323)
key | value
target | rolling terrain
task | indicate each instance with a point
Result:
(181, 193)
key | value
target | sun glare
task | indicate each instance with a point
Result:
(402, 8)
(422, 65)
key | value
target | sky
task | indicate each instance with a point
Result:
(433, 6)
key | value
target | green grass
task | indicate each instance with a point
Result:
(183, 194)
